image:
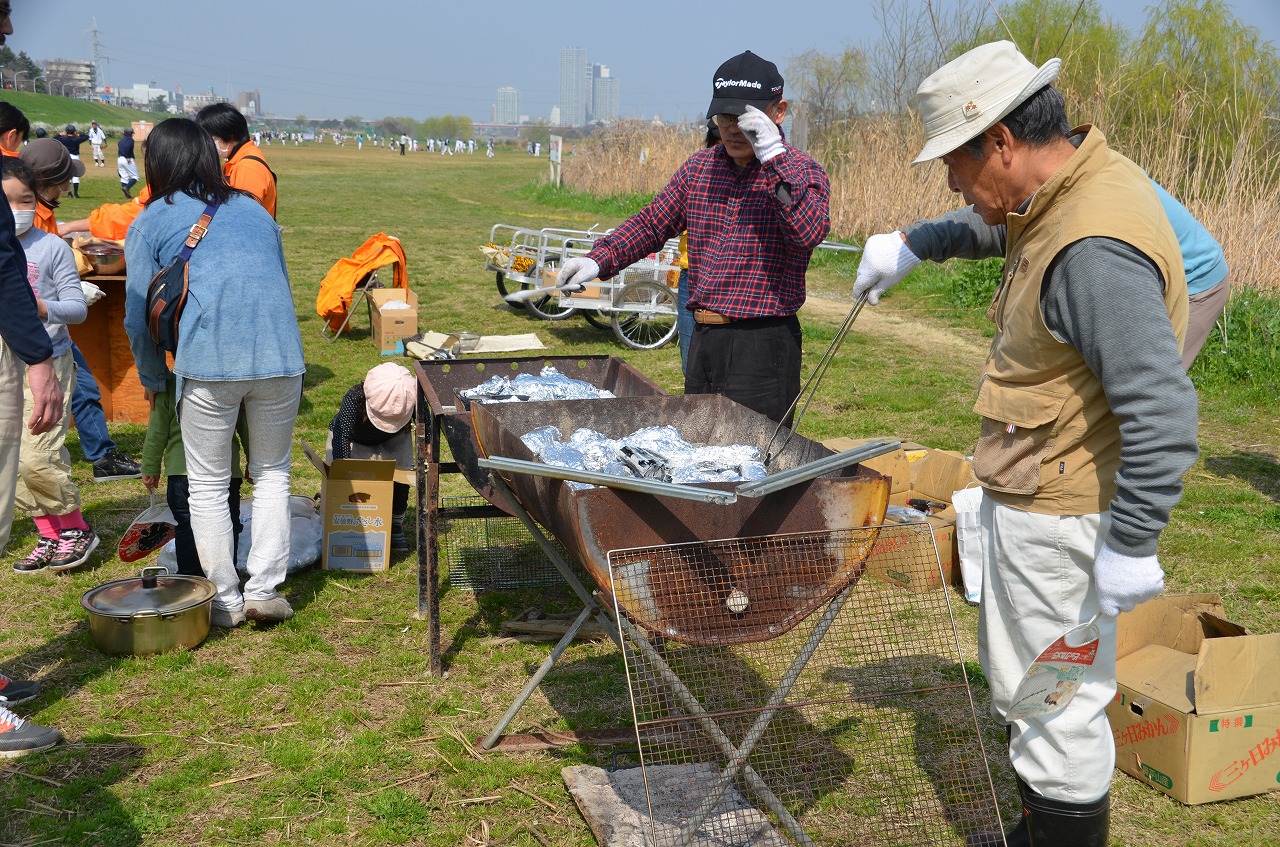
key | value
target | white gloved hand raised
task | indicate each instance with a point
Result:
(1125, 581)
(575, 273)
(762, 132)
(886, 260)
(92, 293)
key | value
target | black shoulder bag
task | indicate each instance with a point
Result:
(167, 294)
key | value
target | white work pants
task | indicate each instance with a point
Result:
(1038, 583)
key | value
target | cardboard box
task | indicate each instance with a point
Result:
(392, 326)
(1197, 706)
(355, 503)
(598, 291)
(914, 571)
(893, 465)
(917, 472)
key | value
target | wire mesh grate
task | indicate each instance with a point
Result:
(484, 554)
(854, 724)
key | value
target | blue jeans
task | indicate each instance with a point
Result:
(86, 411)
(684, 318)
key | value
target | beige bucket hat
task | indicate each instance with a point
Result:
(968, 95)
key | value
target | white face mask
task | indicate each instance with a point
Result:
(22, 219)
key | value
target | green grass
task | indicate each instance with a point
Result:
(55, 112)
(331, 721)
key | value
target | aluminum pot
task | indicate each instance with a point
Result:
(153, 613)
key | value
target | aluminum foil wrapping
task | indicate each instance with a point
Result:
(549, 384)
(656, 452)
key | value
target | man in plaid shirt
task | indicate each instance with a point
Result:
(755, 208)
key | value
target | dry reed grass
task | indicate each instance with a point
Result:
(874, 188)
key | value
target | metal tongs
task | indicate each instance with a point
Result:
(810, 387)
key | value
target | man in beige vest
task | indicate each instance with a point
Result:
(1088, 420)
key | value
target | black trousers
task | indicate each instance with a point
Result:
(755, 362)
(178, 496)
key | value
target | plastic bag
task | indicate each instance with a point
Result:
(968, 505)
(306, 529)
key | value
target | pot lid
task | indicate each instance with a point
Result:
(156, 590)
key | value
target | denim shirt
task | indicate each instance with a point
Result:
(239, 322)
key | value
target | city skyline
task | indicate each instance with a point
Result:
(358, 65)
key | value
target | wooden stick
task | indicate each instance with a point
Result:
(237, 779)
(533, 796)
(466, 800)
(43, 779)
(400, 782)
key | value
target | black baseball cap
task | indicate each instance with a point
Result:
(71, 127)
(745, 80)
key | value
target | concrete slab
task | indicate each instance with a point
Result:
(615, 806)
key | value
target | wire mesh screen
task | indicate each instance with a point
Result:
(853, 725)
(485, 554)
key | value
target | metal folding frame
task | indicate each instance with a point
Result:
(654, 661)
(369, 282)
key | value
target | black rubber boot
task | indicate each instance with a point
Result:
(1055, 823)
(75, 190)
(399, 543)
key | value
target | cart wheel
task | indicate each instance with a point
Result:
(597, 318)
(644, 316)
(549, 308)
(504, 291)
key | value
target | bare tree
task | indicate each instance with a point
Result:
(830, 87)
(917, 37)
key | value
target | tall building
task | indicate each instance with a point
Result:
(508, 110)
(249, 103)
(604, 94)
(69, 77)
(575, 86)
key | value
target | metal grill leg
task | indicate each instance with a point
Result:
(590, 608)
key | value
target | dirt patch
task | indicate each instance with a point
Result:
(899, 328)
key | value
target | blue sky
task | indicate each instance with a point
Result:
(418, 58)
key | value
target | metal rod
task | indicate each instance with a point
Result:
(738, 757)
(645, 486)
(810, 387)
(810, 470)
(518, 704)
(708, 724)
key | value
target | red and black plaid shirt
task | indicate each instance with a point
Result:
(749, 241)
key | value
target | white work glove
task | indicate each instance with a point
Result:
(762, 132)
(92, 293)
(575, 273)
(886, 260)
(1125, 581)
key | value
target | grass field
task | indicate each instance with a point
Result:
(328, 729)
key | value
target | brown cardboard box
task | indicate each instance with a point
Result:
(892, 465)
(590, 292)
(919, 472)
(914, 570)
(1197, 706)
(355, 502)
(392, 326)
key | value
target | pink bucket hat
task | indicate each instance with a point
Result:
(390, 395)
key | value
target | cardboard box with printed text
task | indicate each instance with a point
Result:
(921, 473)
(1197, 706)
(392, 326)
(355, 502)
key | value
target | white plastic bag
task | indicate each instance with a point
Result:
(305, 542)
(305, 530)
(968, 505)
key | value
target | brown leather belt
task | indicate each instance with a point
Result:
(706, 316)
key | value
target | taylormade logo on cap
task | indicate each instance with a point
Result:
(740, 83)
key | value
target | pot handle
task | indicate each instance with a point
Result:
(145, 613)
(150, 575)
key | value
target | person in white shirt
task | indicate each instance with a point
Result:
(97, 136)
